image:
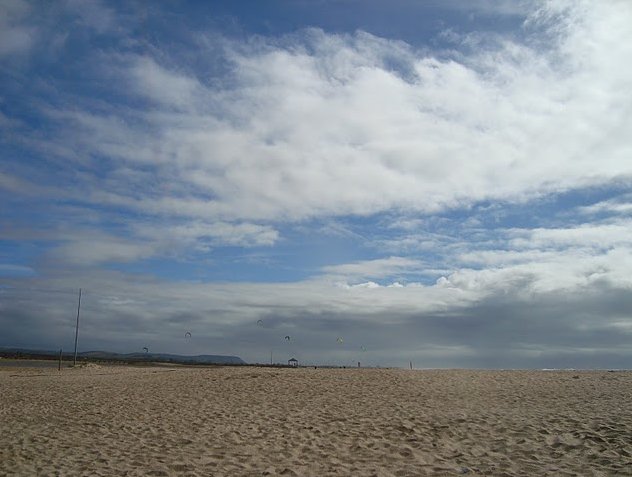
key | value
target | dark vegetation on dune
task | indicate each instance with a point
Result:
(95, 356)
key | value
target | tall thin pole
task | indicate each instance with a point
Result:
(77, 328)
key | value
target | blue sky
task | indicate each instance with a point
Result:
(447, 183)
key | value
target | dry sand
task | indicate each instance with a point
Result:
(315, 422)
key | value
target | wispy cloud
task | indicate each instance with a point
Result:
(327, 112)
(16, 35)
(375, 269)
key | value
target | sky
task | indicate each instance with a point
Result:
(438, 182)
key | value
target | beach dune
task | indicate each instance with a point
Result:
(247, 421)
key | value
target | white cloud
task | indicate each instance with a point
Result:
(13, 184)
(378, 268)
(9, 269)
(567, 271)
(203, 235)
(542, 302)
(92, 14)
(16, 35)
(599, 236)
(363, 285)
(89, 250)
(34, 27)
(87, 245)
(323, 125)
(620, 205)
(496, 258)
(163, 86)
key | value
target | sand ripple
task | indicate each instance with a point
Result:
(314, 422)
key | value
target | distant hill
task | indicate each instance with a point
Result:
(129, 357)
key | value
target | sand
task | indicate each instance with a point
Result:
(243, 421)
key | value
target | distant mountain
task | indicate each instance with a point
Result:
(129, 357)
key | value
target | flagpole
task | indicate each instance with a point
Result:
(77, 328)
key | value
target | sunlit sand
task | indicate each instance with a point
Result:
(247, 421)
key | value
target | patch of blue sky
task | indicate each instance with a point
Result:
(225, 264)
(575, 201)
(416, 23)
(438, 240)
(319, 244)
(15, 271)
(550, 210)
(17, 258)
(304, 249)
(300, 254)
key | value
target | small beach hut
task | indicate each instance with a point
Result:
(293, 362)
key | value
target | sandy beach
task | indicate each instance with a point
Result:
(246, 421)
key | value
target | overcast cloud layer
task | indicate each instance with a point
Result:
(449, 185)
